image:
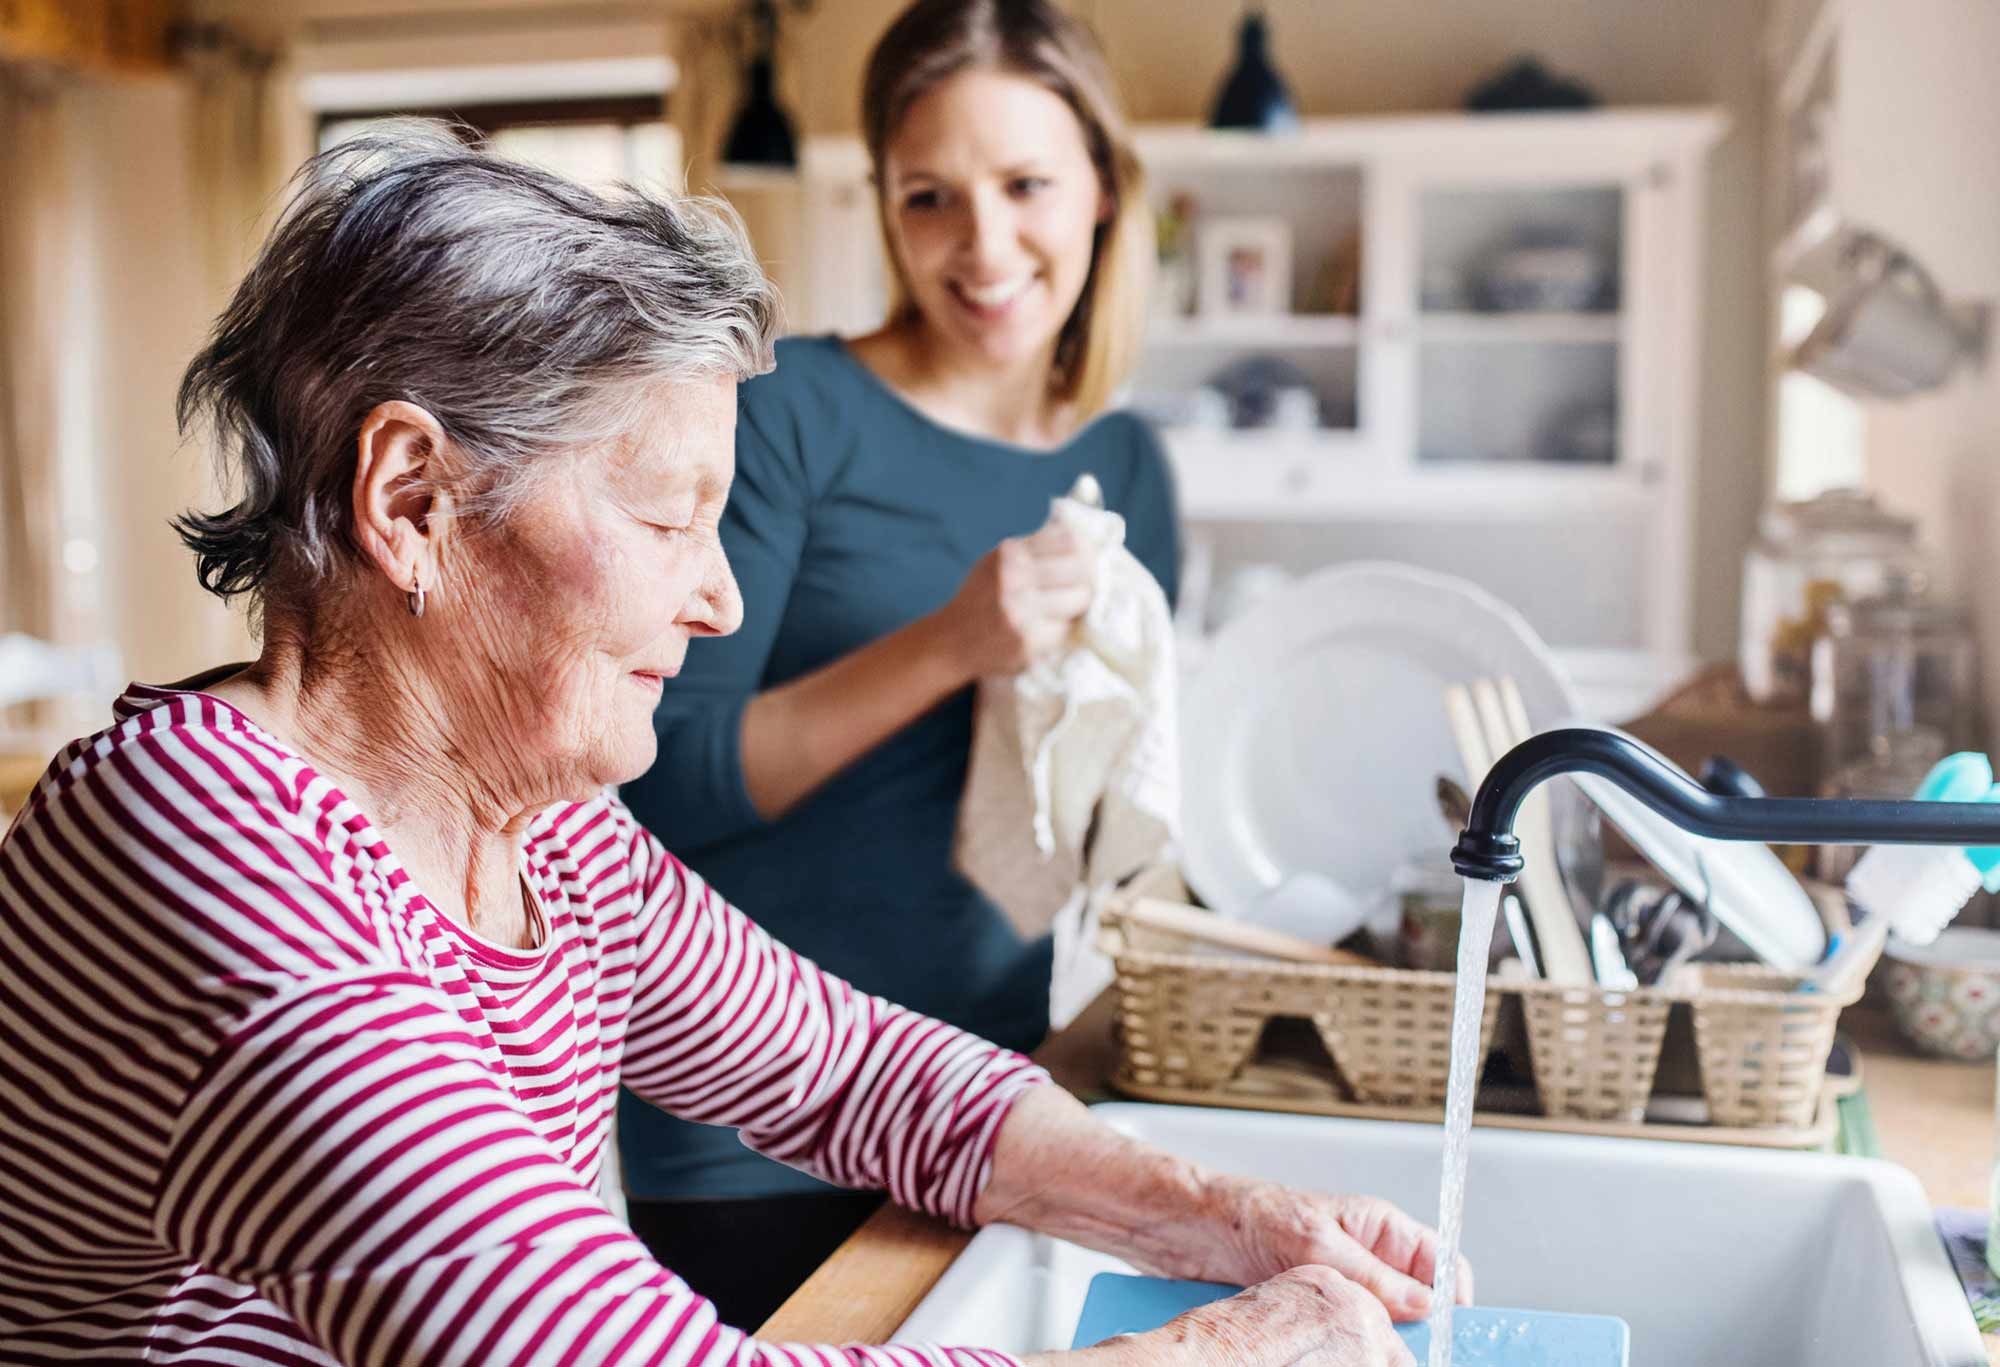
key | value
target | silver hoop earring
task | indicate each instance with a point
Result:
(415, 597)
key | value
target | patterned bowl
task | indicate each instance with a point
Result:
(1947, 994)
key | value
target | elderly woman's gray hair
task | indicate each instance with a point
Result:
(522, 311)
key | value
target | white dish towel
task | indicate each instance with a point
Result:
(1074, 782)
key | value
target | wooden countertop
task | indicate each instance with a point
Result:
(1934, 1118)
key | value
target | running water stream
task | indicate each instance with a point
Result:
(1475, 938)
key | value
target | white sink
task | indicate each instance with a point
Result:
(1713, 1255)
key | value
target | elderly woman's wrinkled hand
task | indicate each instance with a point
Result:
(1260, 1229)
(1304, 1317)
(1311, 1316)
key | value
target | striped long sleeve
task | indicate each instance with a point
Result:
(267, 1106)
(733, 1029)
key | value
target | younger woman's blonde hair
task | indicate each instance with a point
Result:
(935, 39)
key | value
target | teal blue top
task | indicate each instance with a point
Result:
(852, 515)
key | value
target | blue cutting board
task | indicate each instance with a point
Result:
(1121, 1304)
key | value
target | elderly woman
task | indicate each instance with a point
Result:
(318, 975)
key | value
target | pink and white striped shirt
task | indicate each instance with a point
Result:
(260, 1103)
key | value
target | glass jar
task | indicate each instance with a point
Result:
(1891, 665)
(1893, 768)
(1839, 547)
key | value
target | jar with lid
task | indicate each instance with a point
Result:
(1837, 548)
(1894, 765)
(1886, 666)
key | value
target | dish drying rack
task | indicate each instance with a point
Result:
(1196, 998)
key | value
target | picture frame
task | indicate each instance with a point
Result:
(1245, 267)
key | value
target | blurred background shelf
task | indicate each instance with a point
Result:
(1339, 476)
(1524, 326)
(1281, 331)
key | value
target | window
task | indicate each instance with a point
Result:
(598, 143)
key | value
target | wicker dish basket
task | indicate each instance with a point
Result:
(1190, 1015)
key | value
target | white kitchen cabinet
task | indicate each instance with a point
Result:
(1547, 452)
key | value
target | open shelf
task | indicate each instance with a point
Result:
(1278, 331)
(1335, 474)
(1601, 326)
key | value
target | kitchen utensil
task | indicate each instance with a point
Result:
(1118, 1303)
(1456, 808)
(1606, 960)
(1565, 956)
(1154, 914)
(1746, 886)
(1887, 332)
(1657, 929)
(1912, 891)
(1522, 934)
(1430, 901)
(1686, 929)
(1314, 732)
(1453, 802)
(1307, 905)
(1573, 822)
(1427, 939)
(1487, 724)
(1724, 777)
(1946, 995)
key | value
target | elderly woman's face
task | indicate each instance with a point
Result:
(589, 594)
(993, 204)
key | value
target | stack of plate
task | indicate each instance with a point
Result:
(1316, 729)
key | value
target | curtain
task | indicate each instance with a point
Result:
(704, 99)
(238, 164)
(33, 206)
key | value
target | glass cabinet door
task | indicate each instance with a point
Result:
(1519, 324)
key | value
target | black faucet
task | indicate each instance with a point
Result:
(1487, 848)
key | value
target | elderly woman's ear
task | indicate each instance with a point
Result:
(400, 503)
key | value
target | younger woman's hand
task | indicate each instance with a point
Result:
(1018, 603)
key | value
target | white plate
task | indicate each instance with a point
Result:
(1749, 888)
(1314, 733)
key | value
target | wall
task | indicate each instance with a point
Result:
(1169, 56)
(1913, 155)
(1937, 458)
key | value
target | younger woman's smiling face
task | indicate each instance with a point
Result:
(992, 204)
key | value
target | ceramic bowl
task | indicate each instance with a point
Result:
(1947, 994)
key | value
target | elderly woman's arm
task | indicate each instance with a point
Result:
(241, 1070)
(731, 1028)
(352, 1156)
(1059, 1170)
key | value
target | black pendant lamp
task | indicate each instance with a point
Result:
(761, 135)
(1254, 95)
